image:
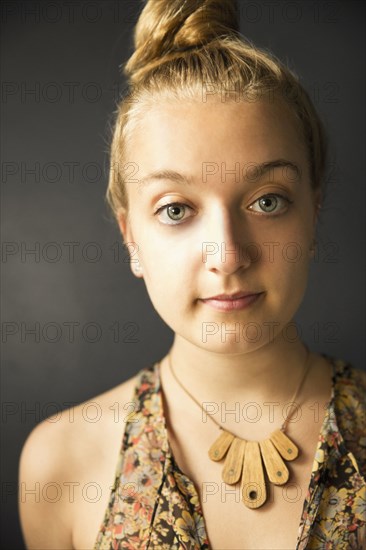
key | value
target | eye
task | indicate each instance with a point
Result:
(172, 213)
(269, 203)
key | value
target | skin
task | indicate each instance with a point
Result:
(222, 372)
(182, 137)
(224, 209)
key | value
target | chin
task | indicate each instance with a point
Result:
(231, 345)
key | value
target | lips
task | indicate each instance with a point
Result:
(233, 296)
(231, 302)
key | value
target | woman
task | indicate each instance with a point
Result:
(216, 182)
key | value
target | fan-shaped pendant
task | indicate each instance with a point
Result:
(245, 460)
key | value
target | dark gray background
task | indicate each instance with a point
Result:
(46, 46)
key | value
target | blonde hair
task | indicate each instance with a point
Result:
(183, 46)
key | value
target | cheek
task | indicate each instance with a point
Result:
(165, 266)
(168, 252)
(285, 254)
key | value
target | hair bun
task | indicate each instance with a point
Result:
(170, 26)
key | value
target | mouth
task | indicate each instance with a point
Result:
(233, 295)
(229, 302)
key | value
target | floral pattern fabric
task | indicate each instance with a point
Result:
(154, 505)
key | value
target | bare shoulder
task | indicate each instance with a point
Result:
(65, 453)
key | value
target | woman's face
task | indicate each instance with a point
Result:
(219, 237)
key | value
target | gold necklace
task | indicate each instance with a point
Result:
(245, 459)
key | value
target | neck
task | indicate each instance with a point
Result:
(272, 372)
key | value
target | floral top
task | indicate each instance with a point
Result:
(154, 505)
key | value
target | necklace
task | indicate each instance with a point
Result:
(248, 460)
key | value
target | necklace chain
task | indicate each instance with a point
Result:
(289, 414)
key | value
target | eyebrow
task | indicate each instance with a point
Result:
(259, 169)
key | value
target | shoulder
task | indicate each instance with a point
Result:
(350, 408)
(70, 446)
(69, 431)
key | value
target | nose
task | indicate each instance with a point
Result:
(224, 250)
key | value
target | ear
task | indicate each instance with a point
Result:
(124, 225)
(125, 228)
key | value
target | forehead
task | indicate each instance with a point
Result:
(181, 134)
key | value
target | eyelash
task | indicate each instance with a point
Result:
(165, 206)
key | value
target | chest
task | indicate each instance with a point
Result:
(273, 526)
(229, 523)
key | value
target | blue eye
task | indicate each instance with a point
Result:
(268, 203)
(174, 211)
